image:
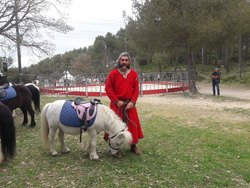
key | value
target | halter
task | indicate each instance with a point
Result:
(110, 138)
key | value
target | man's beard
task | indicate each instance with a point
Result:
(124, 66)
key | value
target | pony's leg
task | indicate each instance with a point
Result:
(32, 116)
(13, 113)
(1, 155)
(64, 148)
(52, 133)
(25, 118)
(91, 150)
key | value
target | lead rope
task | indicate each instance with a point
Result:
(125, 113)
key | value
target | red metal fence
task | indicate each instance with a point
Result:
(97, 90)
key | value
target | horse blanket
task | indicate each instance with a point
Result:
(8, 93)
(69, 116)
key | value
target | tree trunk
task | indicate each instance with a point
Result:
(227, 51)
(217, 58)
(202, 59)
(176, 63)
(205, 56)
(171, 60)
(247, 46)
(191, 72)
(240, 49)
(209, 58)
(159, 66)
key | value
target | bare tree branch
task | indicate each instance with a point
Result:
(35, 25)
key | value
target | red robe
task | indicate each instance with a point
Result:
(119, 87)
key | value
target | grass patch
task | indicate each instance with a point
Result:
(209, 152)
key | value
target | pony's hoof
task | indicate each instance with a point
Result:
(55, 155)
(94, 157)
(23, 124)
(1, 160)
(32, 126)
(117, 155)
(66, 152)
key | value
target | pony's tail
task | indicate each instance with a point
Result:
(7, 131)
(35, 96)
(44, 126)
(36, 100)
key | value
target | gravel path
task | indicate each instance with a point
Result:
(232, 97)
(228, 91)
(239, 98)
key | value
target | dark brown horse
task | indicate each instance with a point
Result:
(35, 95)
(22, 100)
(7, 133)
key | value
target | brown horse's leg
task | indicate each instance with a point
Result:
(2, 157)
(32, 115)
(25, 118)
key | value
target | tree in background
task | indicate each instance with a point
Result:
(81, 64)
(29, 24)
(183, 27)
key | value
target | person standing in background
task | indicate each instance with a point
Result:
(216, 81)
(122, 88)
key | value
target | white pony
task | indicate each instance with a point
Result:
(106, 120)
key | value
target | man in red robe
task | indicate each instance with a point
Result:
(122, 88)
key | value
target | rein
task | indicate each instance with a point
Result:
(112, 138)
(125, 115)
(125, 112)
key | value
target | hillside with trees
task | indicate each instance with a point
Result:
(161, 36)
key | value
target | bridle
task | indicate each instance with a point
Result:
(110, 138)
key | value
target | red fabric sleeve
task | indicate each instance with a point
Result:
(110, 82)
(135, 92)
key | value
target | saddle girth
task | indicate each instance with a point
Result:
(86, 111)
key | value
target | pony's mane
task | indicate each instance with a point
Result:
(31, 84)
(113, 118)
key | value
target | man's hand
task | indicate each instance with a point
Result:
(120, 104)
(130, 105)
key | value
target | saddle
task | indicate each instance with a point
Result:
(3, 93)
(86, 111)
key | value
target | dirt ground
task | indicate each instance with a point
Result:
(231, 97)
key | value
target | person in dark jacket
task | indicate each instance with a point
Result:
(216, 80)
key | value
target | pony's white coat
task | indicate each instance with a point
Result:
(106, 120)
